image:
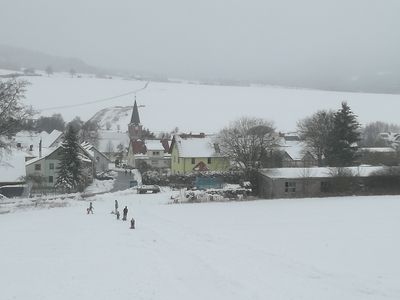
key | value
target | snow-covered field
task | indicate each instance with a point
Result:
(332, 248)
(199, 108)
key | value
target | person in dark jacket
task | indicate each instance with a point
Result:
(117, 215)
(90, 208)
(125, 213)
(132, 223)
(116, 206)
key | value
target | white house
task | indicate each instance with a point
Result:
(100, 160)
(43, 171)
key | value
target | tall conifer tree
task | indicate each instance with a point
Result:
(342, 145)
(70, 169)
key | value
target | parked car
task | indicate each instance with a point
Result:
(143, 189)
(104, 176)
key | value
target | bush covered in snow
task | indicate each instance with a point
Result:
(188, 180)
(227, 193)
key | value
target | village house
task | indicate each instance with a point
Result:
(295, 155)
(43, 170)
(378, 156)
(100, 160)
(196, 152)
(294, 152)
(12, 173)
(313, 182)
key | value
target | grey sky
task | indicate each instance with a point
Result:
(252, 39)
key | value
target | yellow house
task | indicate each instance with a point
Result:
(191, 153)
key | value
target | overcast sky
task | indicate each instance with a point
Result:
(249, 39)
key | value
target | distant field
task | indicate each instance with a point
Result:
(194, 107)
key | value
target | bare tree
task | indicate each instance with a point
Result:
(13, 113)
(316, 131)
(370, 133)
(72, 72)
(49, 70)
(110, 147)
(89, 132)
(247, 141)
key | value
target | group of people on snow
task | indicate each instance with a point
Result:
(116, 212)
(124, 214)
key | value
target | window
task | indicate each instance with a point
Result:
(193, 160)
(38, 167)
(156, 152)
(51, 166)
(290, 187)
(209, 160)
(324, 186)
(50, 179)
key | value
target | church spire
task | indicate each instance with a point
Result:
(135, 120)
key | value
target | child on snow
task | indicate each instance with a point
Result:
(90, 208)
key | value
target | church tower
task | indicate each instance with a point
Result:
(134, 127)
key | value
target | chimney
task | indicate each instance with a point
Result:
(40, 148)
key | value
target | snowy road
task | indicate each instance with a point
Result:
(338, 248)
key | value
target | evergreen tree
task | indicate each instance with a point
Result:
(70, 169)
(342, 145)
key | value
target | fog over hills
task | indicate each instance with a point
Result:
(372, 78)
(16, 58)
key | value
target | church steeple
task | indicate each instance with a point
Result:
(135, 120)
(134, 127)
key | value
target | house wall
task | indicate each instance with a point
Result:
(177, 164)
(101, 162)
(44, 171)
(184, 165)
(307, 161)
(292, 187)
(379, 158)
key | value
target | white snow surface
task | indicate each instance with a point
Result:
(332, 248)
(320, 172)
(12, 166)
(199, 108)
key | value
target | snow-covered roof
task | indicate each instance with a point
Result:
(378, 149)
(12, 166)
(295, 149)
(361, 171)
(27, 138)
(195, 147)
(45, 153)
(49, 139)
(154, 145)
(91, 149)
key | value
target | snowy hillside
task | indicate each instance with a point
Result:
(194, 107)
(333, 248)
(114, 118)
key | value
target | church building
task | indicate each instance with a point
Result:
(153, 152)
